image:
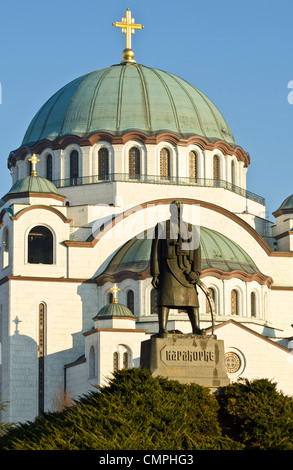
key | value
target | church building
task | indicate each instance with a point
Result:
(98, 167)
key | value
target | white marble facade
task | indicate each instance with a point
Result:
(79, 351)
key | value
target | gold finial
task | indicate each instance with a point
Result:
(128, 28)
(115, 290)
(34, 161)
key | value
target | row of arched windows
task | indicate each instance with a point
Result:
(234, 302)
(121, 359)
(134, 165)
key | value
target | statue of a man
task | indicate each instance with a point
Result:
(175, 267)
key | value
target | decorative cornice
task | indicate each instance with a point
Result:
(280, 212)
(285, 288)
(30, 208)
(139, 276)
(175, 140)
(39, 206)
(253, 332)
(242, 275)
(46, 279)
(114, 330)
(284, 234)
(9, 196)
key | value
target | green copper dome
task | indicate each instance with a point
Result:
(124, 98)
(217, 252)
(114, 310)
(33, 184)
(287, 204)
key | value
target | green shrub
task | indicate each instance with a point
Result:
(134, 412)
(138, 412)
(259, 416)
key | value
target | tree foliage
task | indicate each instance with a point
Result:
(260, 416)
(133, 412)
(138, 412)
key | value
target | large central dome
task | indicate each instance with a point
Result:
(128, 97)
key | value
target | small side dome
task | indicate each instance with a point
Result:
(287, 204)
(114, 310)
(33, 184)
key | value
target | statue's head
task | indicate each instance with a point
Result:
(176, 208)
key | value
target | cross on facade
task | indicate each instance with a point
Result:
(16, 321)
(115, 290)
(128, 28)
(34, 161)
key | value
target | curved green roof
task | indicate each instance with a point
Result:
(217, 252)
(114, 310)
(128, 97)
(288, 203)
(33, 184)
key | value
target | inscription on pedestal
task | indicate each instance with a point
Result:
(187, 356)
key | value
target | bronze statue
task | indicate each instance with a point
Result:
(175, 267)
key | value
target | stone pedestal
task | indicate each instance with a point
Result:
(186, 358)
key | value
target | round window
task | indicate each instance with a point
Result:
(232, 362)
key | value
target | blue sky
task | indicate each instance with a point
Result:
(239, 53)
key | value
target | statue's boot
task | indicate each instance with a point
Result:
(194, 320)
(163, 319)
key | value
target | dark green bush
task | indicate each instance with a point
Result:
(138, 412)
(259, 416)
(134, 412)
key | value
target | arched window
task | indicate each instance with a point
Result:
(233, 172)
(29, 167)
(74, 165)
(115, 361)
(103, 163)
(92, 362)
(154, 301)
(193, 165)
(134, 163)
(121, 358)
(40, 245)
(130, 300)
(5, 261)
(212, 291)
(125, 360)
(265, 307)
(216, 167)
(234, 302)
(49, 168)
(41, 355)
(253, 304)
(165, 164)
(110, 297)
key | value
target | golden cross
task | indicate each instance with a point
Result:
(115, 290)
(128, 27)
(34, 161)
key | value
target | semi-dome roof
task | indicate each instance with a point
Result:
(128, 97)
(287, 204)
(33, 184)
(114, 309)
(217, 252)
